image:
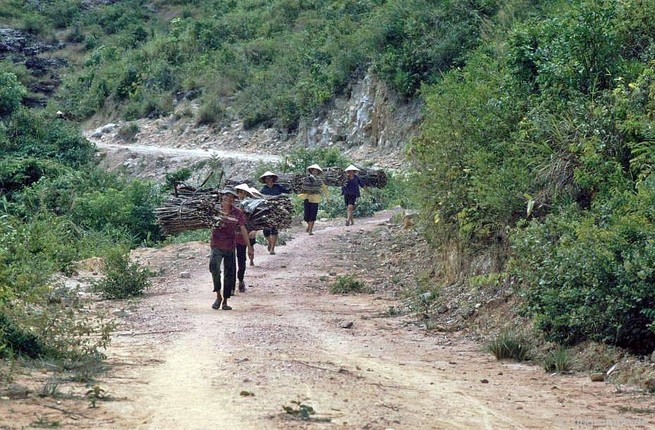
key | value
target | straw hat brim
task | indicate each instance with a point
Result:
(263, 177)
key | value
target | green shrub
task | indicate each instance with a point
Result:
(130, 209)
(557, 360)
(11, 93)
(17, 340)
(509, 344)
(349, 285)
(589, 276)
(211, 112)
(123, 278)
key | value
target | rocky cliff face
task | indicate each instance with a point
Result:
(21, 47)
(371, 122)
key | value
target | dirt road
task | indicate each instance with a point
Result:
(289, 343)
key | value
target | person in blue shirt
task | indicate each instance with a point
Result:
(271, 188)
(350, 191)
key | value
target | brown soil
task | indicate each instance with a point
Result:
(355, 360)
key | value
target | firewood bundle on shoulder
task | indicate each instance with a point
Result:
(336, 177)
(190, 212)
(195, 209)
(291, 181)
(270, 212)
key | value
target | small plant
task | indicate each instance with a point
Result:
(302, 411)
(349, 285)
(123, 279)
(509, 344)
(50, 389)
(211, 112)
(96, 393)
(15, 339)
(557, 360)
(42, 422)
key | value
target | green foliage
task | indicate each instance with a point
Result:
(557, 360)
(128, 131)
(17, 340)
(279, 63)
(349, 285)
(17, 173)
(123, 279)
(32, 133)
(128, 208)
(178, 177)
(470, 180)
(512, 345)
(590, 273)
(11, 94)
(420, 40)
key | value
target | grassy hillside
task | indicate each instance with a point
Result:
(267, 62)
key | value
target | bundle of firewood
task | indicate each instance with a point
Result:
(291, 181)
(202, 209)
(180, 214)
(336, 177)
(271, 212)
(373, 177)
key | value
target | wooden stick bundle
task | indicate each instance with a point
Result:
(271, 212)
(291, 181)
(336, 177)
(200, 209)
(189, 213)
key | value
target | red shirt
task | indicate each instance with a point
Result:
(224, 237)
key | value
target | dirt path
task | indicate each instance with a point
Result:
(181, 365)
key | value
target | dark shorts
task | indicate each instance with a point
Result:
(349, 199)
(311, 211)
(270, 231)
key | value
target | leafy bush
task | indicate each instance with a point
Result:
(591, 274)
(123, 279)
(37, 134)
(420, 40)
(17, 340)
(130, 209)
(11, 93)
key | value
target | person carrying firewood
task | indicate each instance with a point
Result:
(271, 188)
(312, 188)
(222, 243)
(243, 191)
(350, 191)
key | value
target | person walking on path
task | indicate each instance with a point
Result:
(350, 191)
(222, 243)
(243, 191)
(312, 188)
(271, 188)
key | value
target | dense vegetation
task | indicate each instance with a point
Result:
(541, 148)
(536, 151)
